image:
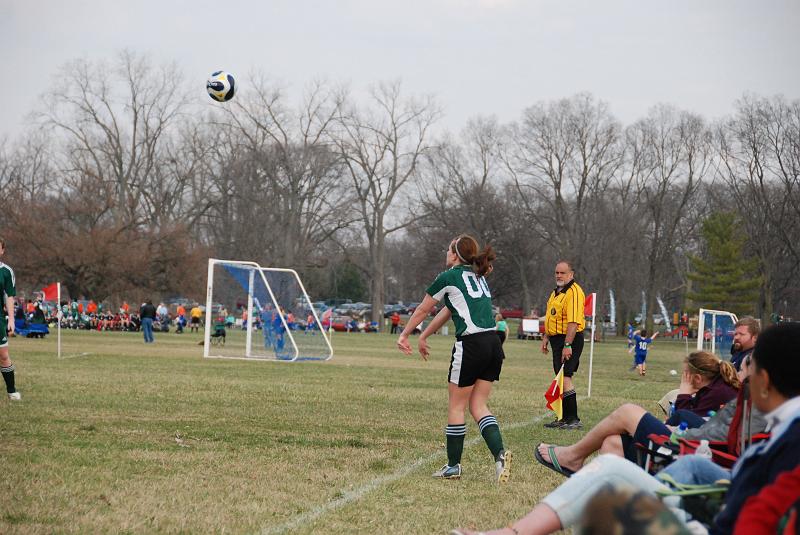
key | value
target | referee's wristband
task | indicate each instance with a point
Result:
(568, 345)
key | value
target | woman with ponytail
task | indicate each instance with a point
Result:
(707, 383)
(477, 356)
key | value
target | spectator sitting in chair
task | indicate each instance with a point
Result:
(744, 340)
(38, 313)
(630, 424)
(775, 382)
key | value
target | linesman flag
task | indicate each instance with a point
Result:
(554, 394)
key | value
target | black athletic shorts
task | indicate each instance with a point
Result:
(557, 345)
(648, 425)
(476, 356)
(195, 320)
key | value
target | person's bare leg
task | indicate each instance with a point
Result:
(568, 384)
(613, 445)
(622, 420)
(478, 399)
(540, 521)
(458, 398)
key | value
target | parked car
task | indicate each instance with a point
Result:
(388, 310)
(336, 303)
(344, 308)
(340, 323)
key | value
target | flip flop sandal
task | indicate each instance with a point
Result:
(553, 464)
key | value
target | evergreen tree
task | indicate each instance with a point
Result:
(724, 278)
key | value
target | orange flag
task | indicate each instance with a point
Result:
(50, 292)
(588, 305)
(554, 393)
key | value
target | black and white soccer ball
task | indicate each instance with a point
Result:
(221, 86)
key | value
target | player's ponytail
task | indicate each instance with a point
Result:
(728, 373)
(482, 263)
(465, 248)
(711, 366)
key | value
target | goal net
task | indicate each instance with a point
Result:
(260, 313)
(715, 331)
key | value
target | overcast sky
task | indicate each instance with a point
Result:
(476, 56)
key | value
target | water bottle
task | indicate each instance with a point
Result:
(704, 450)
(678, 432)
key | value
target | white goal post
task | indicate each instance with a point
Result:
(715, 331)
(260, 313)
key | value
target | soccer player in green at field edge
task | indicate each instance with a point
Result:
(8, 285)
(477, 356)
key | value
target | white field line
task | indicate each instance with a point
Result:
(64, 357)
(356, 494)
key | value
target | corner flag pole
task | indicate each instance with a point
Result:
(591, 343)
(58, 316)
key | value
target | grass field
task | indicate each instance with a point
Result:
(129, 438)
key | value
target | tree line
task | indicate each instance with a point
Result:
(125, 184)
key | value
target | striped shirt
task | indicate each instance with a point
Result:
(564, 306)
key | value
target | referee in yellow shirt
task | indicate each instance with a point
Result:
(563, 328)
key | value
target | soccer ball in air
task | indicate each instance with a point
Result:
(221, 86)
(673, 372)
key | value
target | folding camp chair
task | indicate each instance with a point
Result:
(660, 451)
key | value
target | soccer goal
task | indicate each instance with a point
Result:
(260, 313)
(715, 331)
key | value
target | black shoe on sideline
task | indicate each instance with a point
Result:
(571, 424)
(555, 424)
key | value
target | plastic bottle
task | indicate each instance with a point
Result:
(678, 432)
(704, 450)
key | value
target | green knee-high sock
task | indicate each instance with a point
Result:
(455, 442)
(491, 434)
(8, 377)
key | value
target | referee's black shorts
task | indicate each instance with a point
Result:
(476, 356)
(557, 345)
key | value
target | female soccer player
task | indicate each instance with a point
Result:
(9, 290)
(502, 328)
(477, 355)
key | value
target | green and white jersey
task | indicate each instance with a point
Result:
(468, 298)
(8, 284)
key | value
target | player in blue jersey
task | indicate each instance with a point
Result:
(641, 345)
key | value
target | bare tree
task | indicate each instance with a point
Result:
(562, 156)
(289, 171)
(118, 120)
(382, 148)
(467, 191)
(759, 152)
(108, 223)
(673, 155)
